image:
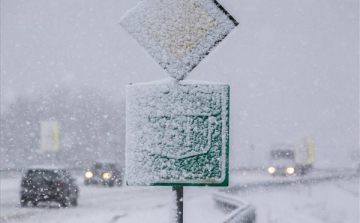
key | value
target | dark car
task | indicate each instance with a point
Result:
(107, 174)
(46, 184)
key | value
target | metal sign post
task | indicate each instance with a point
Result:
(179, 205)
(177, 131)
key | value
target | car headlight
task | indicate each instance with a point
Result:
(106, 175)
(290, 170)
(271, 170)
(89, 174)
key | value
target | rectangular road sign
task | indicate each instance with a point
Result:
(177, 134)
(49, 136)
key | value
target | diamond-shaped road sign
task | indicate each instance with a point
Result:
(177, 134)
(178, 33)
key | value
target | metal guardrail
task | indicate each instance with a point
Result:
(243, 212)
(240, 210)
(285, 182)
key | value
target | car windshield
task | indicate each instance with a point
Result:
(102, 166)
(39, 174)
(282, 154)
(63, 173)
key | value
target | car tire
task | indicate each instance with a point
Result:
(110, 184)
(34, 203)
(23, 201)
(74, 202)
(64, 204)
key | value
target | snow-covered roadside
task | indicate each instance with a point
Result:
(320, 203)
(119, 204)
(326, 202)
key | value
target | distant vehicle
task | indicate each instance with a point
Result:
(45, 184)
(107, 174)
(288, 160)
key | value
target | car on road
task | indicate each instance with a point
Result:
(48, 184)
(290, 160)
(104, 173)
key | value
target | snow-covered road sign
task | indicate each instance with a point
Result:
(178, 34)
(177, 134)
(49, 134)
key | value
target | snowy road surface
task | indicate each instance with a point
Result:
(109, 205)
(326, 202)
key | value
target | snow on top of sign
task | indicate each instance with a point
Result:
(173, 81)
(176, 132)
(178, 34)
(158, 82)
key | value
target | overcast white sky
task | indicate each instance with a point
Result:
(293, 66)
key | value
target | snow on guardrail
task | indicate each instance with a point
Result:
(287, 182)
(240, 210)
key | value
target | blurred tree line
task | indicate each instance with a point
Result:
(91, 127)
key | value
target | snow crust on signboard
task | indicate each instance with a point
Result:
(178, 34)
(174, 81)
(176, 132)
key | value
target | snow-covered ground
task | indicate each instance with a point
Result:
(326, 202)
(318, 197)
(103, 204)
(321, 203)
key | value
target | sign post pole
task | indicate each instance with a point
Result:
(179, 204)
